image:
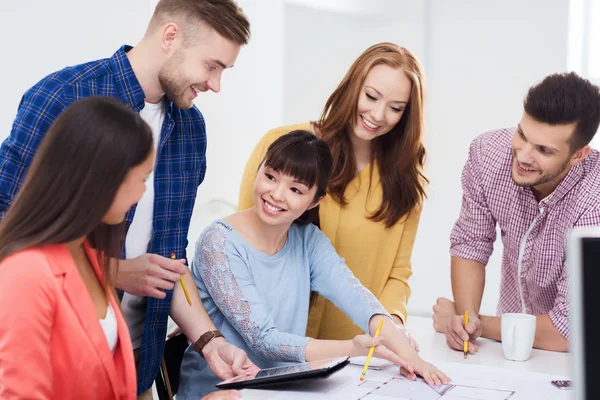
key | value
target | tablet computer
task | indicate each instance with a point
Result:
(290, 373)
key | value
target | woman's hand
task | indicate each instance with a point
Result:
(398, 342)
(429, 372)
(408, 367)
(363, 343)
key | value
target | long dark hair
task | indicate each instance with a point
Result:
(305, 157)
(74, 178)
(399, 154)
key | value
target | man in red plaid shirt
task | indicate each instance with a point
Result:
(536, 182)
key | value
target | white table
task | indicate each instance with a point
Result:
(433, 348)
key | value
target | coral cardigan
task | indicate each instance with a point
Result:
(51, 343)
(378, 257)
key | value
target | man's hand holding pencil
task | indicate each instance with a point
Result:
(447, 321)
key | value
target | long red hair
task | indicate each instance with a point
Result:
(399, 154)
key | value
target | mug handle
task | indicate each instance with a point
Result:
(510, 340)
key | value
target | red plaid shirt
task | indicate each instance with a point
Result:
(534, 270)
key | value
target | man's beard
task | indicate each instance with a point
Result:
(170, 81)
(169, 85)
(542, 179)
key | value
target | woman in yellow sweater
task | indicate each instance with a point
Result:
(373, 124)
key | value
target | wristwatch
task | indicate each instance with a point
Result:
(205, 339)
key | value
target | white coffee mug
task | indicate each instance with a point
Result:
(518, 333)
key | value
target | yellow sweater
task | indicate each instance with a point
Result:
(378, 257)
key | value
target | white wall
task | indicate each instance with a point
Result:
(483, 57)
(480, 57)
(43, 36)
(321, 44)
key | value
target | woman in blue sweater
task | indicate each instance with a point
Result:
(255, 270)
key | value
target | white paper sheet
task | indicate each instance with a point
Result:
(469, 382)
(473, 382)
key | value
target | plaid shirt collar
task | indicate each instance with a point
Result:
(130, 90)
(126, 82)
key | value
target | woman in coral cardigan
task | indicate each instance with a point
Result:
(373, 124)
(62, 334)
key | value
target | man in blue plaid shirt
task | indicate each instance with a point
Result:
(186, 47)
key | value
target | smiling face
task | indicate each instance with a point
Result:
(279, 198)
(381, 102)
(542, 154)
(198, 68)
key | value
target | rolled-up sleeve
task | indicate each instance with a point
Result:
(559, 314)
(474, 232)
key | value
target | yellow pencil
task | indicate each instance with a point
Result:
(366, 367)
(466, 342)
(187, 295)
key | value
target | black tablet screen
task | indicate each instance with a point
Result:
(291, 372)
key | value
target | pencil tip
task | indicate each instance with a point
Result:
(465, 355)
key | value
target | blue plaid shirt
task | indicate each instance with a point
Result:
(180, 168)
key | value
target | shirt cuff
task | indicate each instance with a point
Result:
(561, 322)
(400, 313)
(468, 252)
(298, 349)
(380, 312)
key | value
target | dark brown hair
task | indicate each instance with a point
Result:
(565, 98)
(224, 16)
(399, 154)
(305, 157)
(74, 178)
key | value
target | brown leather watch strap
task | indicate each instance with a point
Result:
(205, 339)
